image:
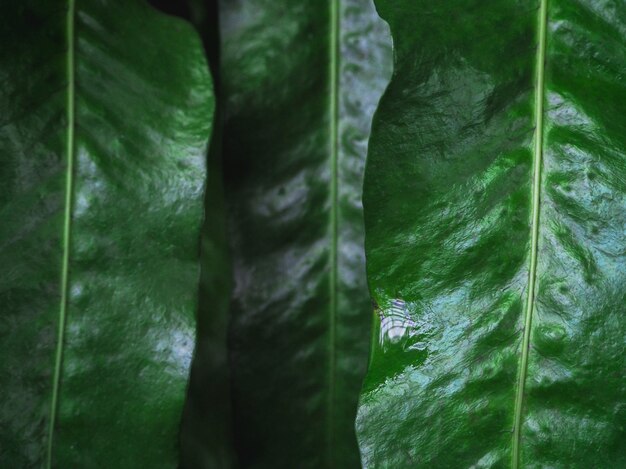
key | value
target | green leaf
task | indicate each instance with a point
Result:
(495, 222)
(105, 119)
(300, 82)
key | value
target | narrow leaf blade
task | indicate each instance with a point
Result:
(300, 81)
(142, 101)
(495, 222)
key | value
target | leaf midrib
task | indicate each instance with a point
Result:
(536, 189)
(334, 122)
(67, 217)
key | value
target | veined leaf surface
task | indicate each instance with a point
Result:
(300, 81)
(106, 110)
(495, 213)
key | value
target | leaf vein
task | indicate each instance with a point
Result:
(70, 36)
(532, 274)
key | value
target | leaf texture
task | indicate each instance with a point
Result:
(496, 243)
(300, 82)
(106, 111)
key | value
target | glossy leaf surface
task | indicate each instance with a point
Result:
(300, 81)
(495, 212)
(106, 111)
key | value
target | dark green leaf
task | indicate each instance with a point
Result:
(300, 82)
(496, 242)
(105, 119)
